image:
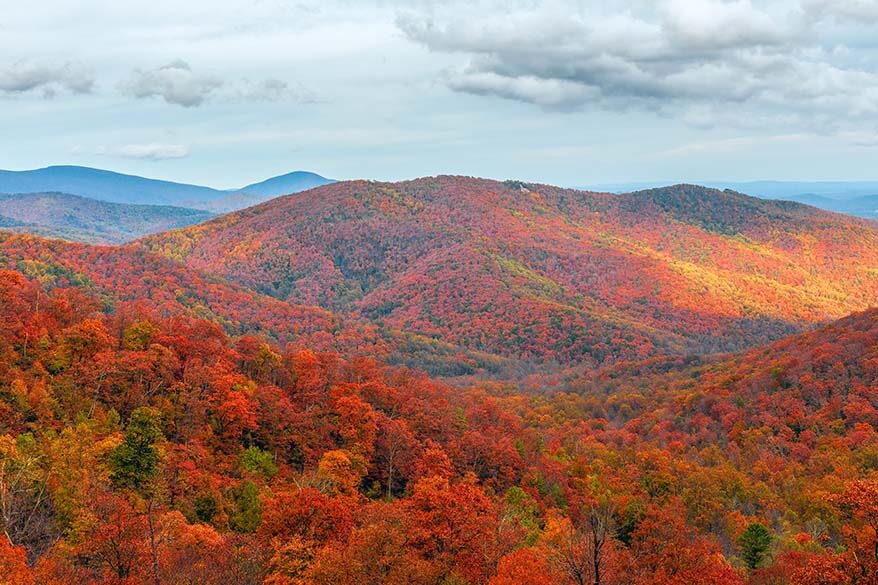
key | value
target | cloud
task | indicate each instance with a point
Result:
(273, 90)
(175, 82)
(178, 84)
(48, 78)
(844, 11)
(683, 58)
(152, 151)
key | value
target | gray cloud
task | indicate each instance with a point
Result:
(844, 11)
(175, 82)
(48, 78)
(178, 84)
(685, 56)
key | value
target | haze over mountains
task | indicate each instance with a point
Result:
(71, 217)
(120, 188)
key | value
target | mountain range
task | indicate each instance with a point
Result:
(129, 189)
(71, 217)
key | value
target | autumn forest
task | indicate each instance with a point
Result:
(449, 381)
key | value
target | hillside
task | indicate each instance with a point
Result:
(142, 435)
(856, 198)
(543, 274)
(127, 276)
(71, 217)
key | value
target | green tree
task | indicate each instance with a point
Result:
(754, 543)
(248, 515)
(135, 462)
(258, 462)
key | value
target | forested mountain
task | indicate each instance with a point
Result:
(547, 275)
(859, 198)
(142, 444)
(71, 217)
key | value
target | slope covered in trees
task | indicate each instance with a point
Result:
(120, 276)
(547, 275)
(140, 443)
(80, 219)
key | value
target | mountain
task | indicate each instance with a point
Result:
(284, 184)
(120, 188)
(71, 217)
(104, 185)
(544, 275)
(859, 198)
(250, 195)
(862, 206)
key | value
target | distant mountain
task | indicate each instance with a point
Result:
(542, 274)
(256, 193)
(285, 184)
(71, 217)
(104, 185)
(121, 188)
(862, 206)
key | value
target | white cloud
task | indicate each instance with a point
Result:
(273, 90)
(48, 78)
(152, 151)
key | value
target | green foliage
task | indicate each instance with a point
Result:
(137, 337)
(629, 519)
(135, 462)
(248, 512)
(522, 509)
(754, 543)
(258, 462)
(205, 508)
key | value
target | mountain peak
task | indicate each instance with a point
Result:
(292, 182)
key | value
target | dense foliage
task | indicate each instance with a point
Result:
(138, 446)
(545, 275)
(161, 423)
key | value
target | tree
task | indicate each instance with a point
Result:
(754, 543)
(135, 462)
(526, 566)
(248, 515)
(13, 565)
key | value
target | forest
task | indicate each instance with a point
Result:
(420, 408)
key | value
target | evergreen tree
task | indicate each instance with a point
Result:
(135, 462)
(754, 543)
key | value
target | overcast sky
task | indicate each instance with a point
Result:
(226, 92)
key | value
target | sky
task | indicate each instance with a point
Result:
(570, 92)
